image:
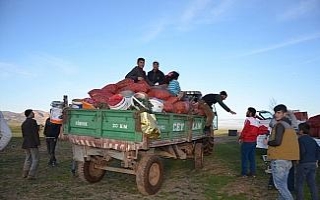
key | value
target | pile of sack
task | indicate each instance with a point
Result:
(126, 95)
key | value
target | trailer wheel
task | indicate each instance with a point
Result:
(87, 172)
(149, 175)
(198, 156)
(208, 144)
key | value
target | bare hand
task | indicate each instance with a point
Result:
(140, 78)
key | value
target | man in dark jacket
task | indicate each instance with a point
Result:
(156, 75)
(137, 73)
(51, 131)
(31, 141)
(206, 103)
(307, 166)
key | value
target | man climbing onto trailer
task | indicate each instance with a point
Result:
(206, 103)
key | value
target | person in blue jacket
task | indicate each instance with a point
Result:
(307, 166)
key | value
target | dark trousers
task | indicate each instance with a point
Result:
(51, 147)
(307, 172)
(248, 155)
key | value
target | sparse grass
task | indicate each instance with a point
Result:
(16, 130)
(217, 180)
(221, 132)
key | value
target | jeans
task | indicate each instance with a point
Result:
(291, 180)
(280, 171)
(307, 171)
(51, 147)
(248, 154)
(32, 161)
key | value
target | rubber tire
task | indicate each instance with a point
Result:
(198, 156)
(208, 144)
(149, 167)
(88, 173)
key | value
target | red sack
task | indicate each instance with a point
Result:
(115, 99)
(94, 92)
(145, 86)
(159, 93)
(100, 98)
(111, 88)
(124, 89)
(181, 107)
(172, 100)
(167, 107)
(137, 87)
(124, 83)
(107, 94)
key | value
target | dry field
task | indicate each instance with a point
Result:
(217, 180)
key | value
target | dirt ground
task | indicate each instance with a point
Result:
(214, 181)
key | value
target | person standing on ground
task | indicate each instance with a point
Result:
(137, 73)
(307, 166)
(31, 141)
(283, 148)
(206, 103)
(156, 76)
(291, 176)
(5, 132)
(51, 131)
(248, 141)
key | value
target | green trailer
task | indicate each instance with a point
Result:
(113, 140)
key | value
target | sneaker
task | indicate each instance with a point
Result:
(242, 176)
(31, 178)
(271, 187)
(25, 173)
(253, 175)
(268, 171)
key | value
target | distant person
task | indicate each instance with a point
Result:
(206, 103)
(137, 73)
(307, 166)
(5, 132)
(51, 131)
(248, 141)
(156, 76)
(283, 148)
(31, 141)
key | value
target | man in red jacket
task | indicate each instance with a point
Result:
(248, 140)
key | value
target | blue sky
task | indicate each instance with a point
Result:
(260, 52)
